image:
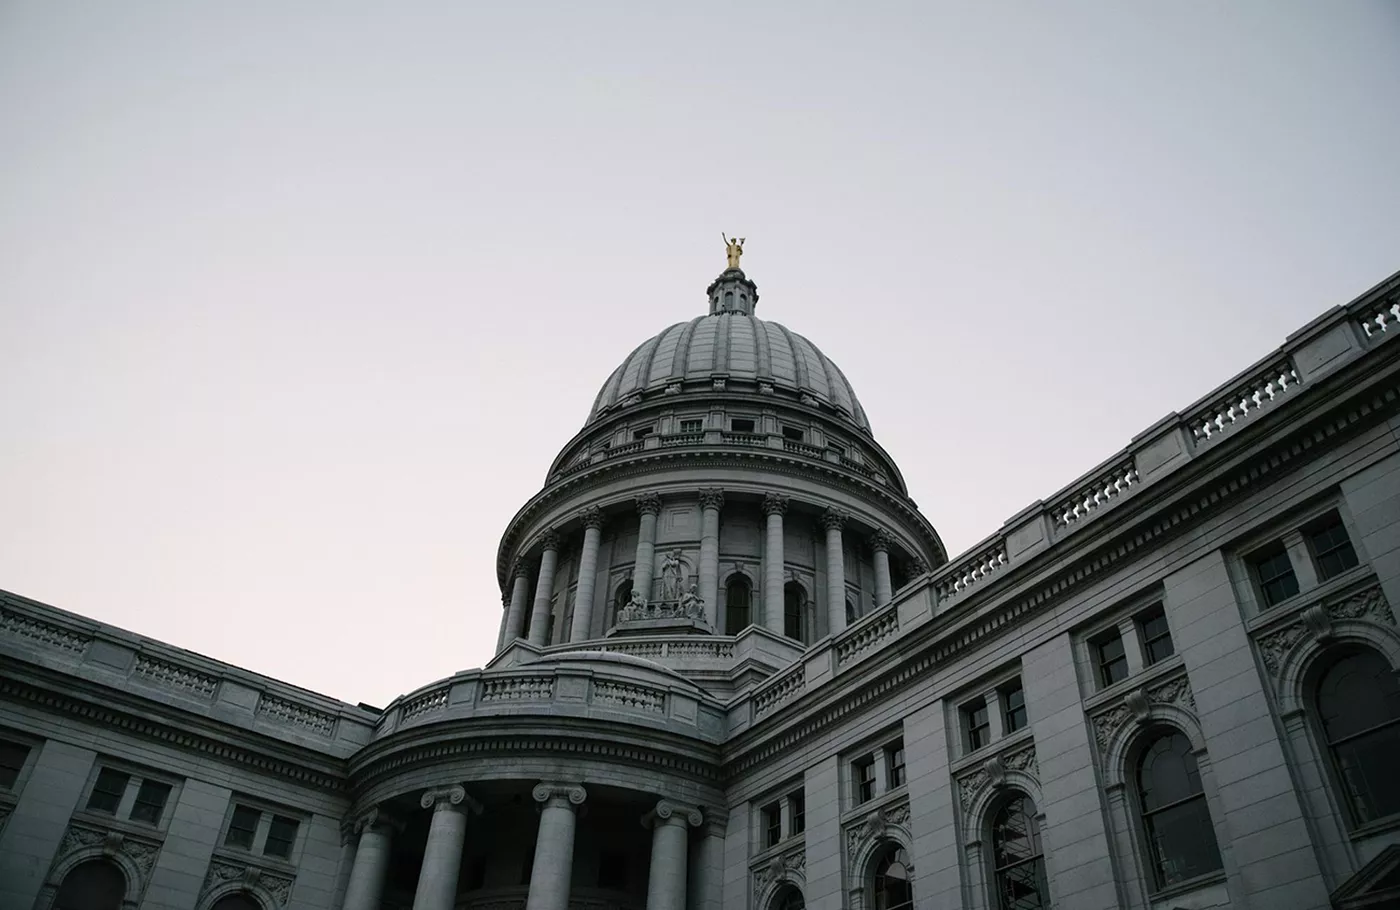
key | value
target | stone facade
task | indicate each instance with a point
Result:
(738, 671)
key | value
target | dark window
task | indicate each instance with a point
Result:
(789, 898)
(621, 598)
(893, 885)
(281, 835)
(839, 449)
(1274, 572)
(797, 806)
(1331, 548)
(796, 434)
(108, 791)
(1156, 637)
(239, 901)
(643, 432)
(150, 802)
(794, 600)
(1109, 656)
(692, 426)
(612, 871)
(977, 724)
(865, 780)
(772, 824)
(92, 885)
(12, 758)
(894, 763)
(1017, 858)
(737, 600)
(850, 612)
(1358, 703)
(1013, 701)
(1175, 816)
(242, 827)
(741, 425)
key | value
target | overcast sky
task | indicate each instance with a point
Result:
(299, 300)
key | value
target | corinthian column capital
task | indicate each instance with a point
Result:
(712, 498)
(649, 504)
(549, 540)
(666, 810)
(553, 793)
(592, 517)
(774, 504)
(881, 540)
(834, 519)
(522, 569)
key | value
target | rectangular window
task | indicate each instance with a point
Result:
(741, 425)
(797, 807)
(242, 827)
(150, 802)
(281, 836)
(1156, 638)
(1109, 656)
(977, 724)
(894, 763)
(772, 825)
(12, 758)
(796, 434)
(693, 426)
(643, 432)
(839, 449)
(865, 780)
(1331, 548)
(1274, 572)
(108, 791)
(1013, 707)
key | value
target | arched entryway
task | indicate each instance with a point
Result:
(93, 885)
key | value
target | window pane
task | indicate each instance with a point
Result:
(1156, 638)
(1359, 706)
(1015, 833)
(736, 609)
(1332, 549)
(1015, 700)
(12, 756)
(1168, 773)
(242, 827)
(772, 824)
(894, 757)
(1367, 765)
(150, 802)
(893, 890)
(281, 836)
(1276, 579)
(865, 781)
(1183, 841)
(1113, 663)
(978, 725)
(108, 791)
(798, 806)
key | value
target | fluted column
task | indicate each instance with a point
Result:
(366, 885)
(669, 852)
(774, 507)
(711, 502)
(648, 507)
(834, 520)
(884, 591)
(442, 857)
(587, 574)
(707, 864)
(554, 847)
(515, 614)
(539, 617)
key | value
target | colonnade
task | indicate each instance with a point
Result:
(551, 874)
(648, 507)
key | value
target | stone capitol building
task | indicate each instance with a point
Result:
(738, 670)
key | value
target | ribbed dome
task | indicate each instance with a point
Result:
(743, 350)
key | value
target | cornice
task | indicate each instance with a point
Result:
(1181, 504)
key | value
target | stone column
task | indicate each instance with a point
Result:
(668, 822)
(711, 502)
(587, 574)
(539, 616)
(648, 507)
(442, 857)
(884, 590)
(834, 520)
(554, 847)
(515, 616)
(366, 885)
(707, 864)
(348, 839)
(774, 507)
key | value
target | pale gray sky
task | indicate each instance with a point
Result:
(298, 301)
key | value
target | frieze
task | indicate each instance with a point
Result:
(875, 825)
(1315, 623)
(1138, 703)
(992, 773)
(790, 866)
(173, 676)
(293, 714)
(222, 872)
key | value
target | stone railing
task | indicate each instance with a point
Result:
(518, 688)
(670, 440)
(778, 691)
(163, 674)
(428, 703)
(1261, 391)
(966, 573)
(45, 634)
(1381, 319)
(682, 646)
(865, 636)
(515, 898)
(629, 695)
(802, 448)
(283, 711)
(743, 439)
(1088, 499)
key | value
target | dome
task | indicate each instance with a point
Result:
(742, 350)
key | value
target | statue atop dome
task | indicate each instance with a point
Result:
(734, 249)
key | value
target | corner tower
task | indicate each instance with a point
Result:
(726, 479)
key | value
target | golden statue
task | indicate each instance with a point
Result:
(734, 248)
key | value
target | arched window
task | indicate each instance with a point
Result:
(1175, 817)
(788, 898)
(1358, 705)
(1017, 860)
(621, 598)
(850, 612)
(93, 885)
(794, 606)
(737, 598)
(236, 902)
(893, 885)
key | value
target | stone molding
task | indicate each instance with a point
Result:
(648, 504)
(83, 841)
(1315, 625)
(712, 498)
(775, 504)
(592, 517)
(834, 519)
(789, 867)
(554, 793)
(883, 824)
(1014, 768)
(1138, 706)
(225, 877)
(669, 811)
